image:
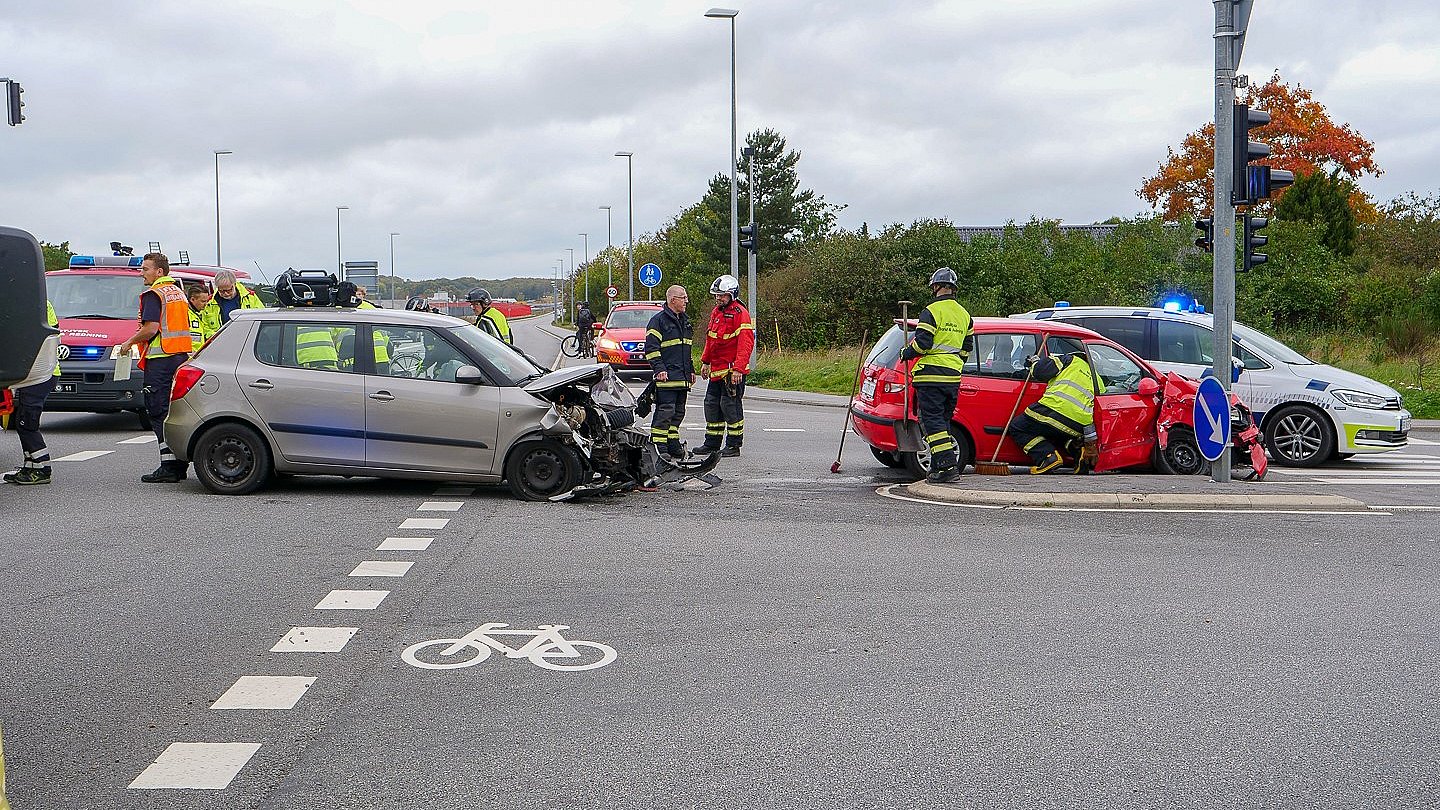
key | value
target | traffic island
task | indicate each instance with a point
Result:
(1124, 491)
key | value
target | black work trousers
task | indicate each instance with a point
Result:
(724, 413)
(936, 403)
(159, 380)
(29, 405)
(1038, 439)
(665, 423)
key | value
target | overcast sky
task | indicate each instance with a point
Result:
(482, 131)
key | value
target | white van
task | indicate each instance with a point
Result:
(1309, 412)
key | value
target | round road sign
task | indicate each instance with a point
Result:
(612, 291)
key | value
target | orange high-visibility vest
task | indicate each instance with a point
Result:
(174, 335)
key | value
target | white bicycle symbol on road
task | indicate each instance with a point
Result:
(546, 649)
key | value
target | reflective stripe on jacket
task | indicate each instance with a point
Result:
(667, 347)
(943, 339)
(174, 335)
(1069, 401)
(493, 321)
(53, 321)
(210, 315)
(730, 340)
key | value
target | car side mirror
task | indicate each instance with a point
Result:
(1236, 366)
(1148, 387)
(469, 375)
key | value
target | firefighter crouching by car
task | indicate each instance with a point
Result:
(667, 347)
(165, 332)
(943, 339)
(725, 362)
(1064, 415)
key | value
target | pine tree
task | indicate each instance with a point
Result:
(1323, 199)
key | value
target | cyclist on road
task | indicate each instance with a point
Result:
(585, 329)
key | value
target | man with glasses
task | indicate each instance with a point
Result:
(667, 347)
(230, 295)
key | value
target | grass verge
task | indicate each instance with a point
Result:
(828, 371)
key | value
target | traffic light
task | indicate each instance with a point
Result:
(1253, 241)
(1251, 184)
(747, 237)
(1206, 240)
(13, 91)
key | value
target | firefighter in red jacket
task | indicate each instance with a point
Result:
(725, 362)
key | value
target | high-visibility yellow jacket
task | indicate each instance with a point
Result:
(943, 340)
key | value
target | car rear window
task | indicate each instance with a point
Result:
(633, 318)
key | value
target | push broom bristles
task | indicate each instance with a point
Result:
(992, 468)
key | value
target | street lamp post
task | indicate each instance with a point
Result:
(586, 265)
(218, 153)
(609, 276)
(572, 277)
(730, 14)
(754, 291)
(393, 234)
(630, 172)
(339, 265)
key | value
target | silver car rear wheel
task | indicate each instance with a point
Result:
(232, 459)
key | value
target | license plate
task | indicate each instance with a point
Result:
(637, 358)
(66, 388)
(867, 391)
(1404, 424)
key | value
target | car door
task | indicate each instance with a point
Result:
(315, 411)
(417, 417)
(994, 377)
(1124, 420)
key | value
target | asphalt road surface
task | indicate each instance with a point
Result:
(786, 639)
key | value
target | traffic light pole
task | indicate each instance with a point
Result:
(1223, 304)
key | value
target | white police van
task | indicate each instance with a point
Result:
(1309, 412)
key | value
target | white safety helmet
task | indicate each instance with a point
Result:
(726, 284)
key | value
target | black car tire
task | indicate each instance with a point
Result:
(232, 459)
(1299, 436)
(146, 423)
(1181, 455)
(886, 457)
(540, 469)
(918, 464)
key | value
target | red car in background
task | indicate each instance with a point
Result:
(621, 342)
(1143, 416)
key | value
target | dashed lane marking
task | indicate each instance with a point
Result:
(352, 600)
(1430, 482)
(425, 523)
(405, 544)
(783, 430)
(198, 766)
(315, 639)
(887, 491)
(85, 455)
(147, 439)
(381, 568)
(264, 692)
(440, 506)
(1387, 473)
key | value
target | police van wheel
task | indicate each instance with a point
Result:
(146, 423)
(232, 459)
(540, 470)
(1299, 436)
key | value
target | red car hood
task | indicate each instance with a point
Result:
(95, 332)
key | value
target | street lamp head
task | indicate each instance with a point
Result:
(624, 154)
(723, 13)
(604, 208)
(223, 152)
(342, 208)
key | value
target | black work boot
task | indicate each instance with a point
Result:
(706, 449)
(948, 475)
(164, 475)
(27, 476)
(733, 451)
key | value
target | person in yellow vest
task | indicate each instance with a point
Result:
(230, 295)
(165, 335)
(315, 347)
(1064, 415)
(200, 334)
(944, 337)
(348, 294)
(29, 405)
(488, 317)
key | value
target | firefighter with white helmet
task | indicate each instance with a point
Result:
(725, 362)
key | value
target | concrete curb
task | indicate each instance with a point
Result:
(1118, 500)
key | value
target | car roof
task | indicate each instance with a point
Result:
(176, 271)
(1051, 313)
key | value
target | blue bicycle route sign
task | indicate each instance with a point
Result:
(649, 274)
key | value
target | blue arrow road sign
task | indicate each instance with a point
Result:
(1212, 419)
(649, 274)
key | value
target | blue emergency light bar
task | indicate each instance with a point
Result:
(106, 261)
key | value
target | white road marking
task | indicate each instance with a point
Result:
(1414, 440)
(1389, 473)
(885, 492)
(752, 410)
(381, 568)
(452, 492)
(839, 479)
(425, 523)
(315, 639)
(405, 544)
(783, 430)
(199, 766)
(1411, 508)
(139, 440)
(1431, 482)
(352, 600)
(85, 455)
(440, 506)
(264, 692)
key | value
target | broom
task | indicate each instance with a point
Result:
(993, 467)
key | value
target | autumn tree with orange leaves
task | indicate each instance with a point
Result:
(1302, 140)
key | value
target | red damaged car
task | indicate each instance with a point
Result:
(1143, 416)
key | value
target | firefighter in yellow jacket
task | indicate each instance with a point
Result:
(1065, 415)
(943, 339)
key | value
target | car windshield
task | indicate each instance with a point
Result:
(1264, 344)
(512, 366)
(86, 295)
(633, 318)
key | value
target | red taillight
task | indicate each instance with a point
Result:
(185, 378)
